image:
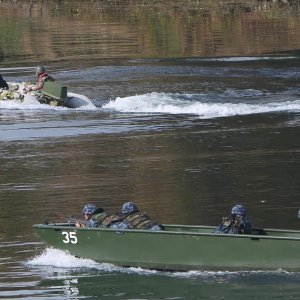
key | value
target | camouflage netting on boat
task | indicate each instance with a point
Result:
(15, 92)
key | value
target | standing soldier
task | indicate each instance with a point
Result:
(42, 76)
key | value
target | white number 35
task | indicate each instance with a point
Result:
(69, 237)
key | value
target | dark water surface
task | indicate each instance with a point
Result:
(197, 109)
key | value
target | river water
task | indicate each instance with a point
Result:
(197, 109)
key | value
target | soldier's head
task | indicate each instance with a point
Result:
(238, 210)
(129, 207)
(88, 210)
(40, 70)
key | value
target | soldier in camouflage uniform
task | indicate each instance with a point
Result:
(138, 219)
(97, 217)
(236, 223)
(42, 76)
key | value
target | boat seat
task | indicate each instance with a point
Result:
(54, 90)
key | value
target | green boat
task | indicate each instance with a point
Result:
(52, 93)
(178, 247)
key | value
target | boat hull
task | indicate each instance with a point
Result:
(178, 248)
(76, 101)
(70, 99)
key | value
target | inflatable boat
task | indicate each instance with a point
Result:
(52, 93)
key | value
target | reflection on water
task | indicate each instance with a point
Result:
(156, 284)
(56, 31)
(167, 164)
(182, 158)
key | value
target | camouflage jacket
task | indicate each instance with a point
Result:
(103, 220)
(139, 220)
(234, 225)
(41, 80)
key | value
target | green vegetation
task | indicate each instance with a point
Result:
(44, 30)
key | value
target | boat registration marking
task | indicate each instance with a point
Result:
(69, 237)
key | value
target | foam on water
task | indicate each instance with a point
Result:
(58, 261)
(33, 105)
(205, 106)
(54, 259)
(198, 105)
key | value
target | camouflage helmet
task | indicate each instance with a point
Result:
(129, 207)
(40, 69)
(89, 209)
(238, 209)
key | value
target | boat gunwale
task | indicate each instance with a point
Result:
(174, 232)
